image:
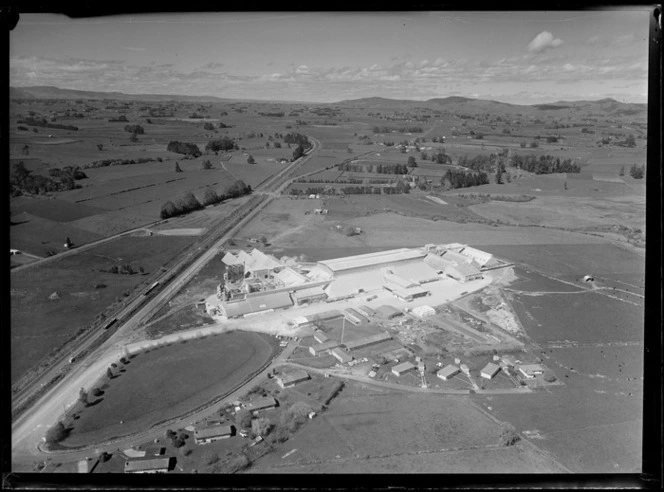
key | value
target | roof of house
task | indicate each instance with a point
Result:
(213, 431)
(146, 464)
(341, 355)
(531, 368)
(275, 300)
(448, 371)
(294, 376)
(360, 342)
(372, 259)
(290, 277)
(491, 369)
(404, 366)
(258, 403)
(387, 310)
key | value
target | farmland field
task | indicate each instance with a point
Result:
(39, 324)
(169, 382)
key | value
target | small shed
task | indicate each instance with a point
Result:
(403, 368)
(291, 379)
(448, 372)
(490, 370)
(388, 312)
(341, 355)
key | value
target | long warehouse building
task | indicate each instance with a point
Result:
(369, 261)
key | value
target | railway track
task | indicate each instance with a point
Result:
(131, 315)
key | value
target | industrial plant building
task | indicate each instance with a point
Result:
(367, 341)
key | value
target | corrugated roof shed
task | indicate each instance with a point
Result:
(289, 277)
(388, 312)
(276, 300)
(490, 370)
(322, 347)
(367, 311)
(260, 403)
(309, 293)
(464, 270)
(403, 367)
(363, 342)
(293, 377)
(213, 431)
(340, 355)
(147, 464)
(371, 259)
(448, 371)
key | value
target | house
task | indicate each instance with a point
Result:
(490, 370)
(448, 372)
(531, 370)
(323, 347)
(340, 355)
(291, 379)
(403, 368)
(261, 404)
(148, 465)
(206, 435)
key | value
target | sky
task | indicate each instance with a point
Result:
(514, 57)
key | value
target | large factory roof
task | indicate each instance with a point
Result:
(256, 304)
(372, 259)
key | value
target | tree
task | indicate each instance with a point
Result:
(629, 141)
(637, 172)
(133, 138)
(243, 418)
(207, 164)
(565, 186)
(83, 397)
(97, 392)
(177, 167)
(298, 152)
(168, 209)
(499, 175)
(100, 147)
(251, 160)
(104, 457)
(509, 436)
(109, 373)
(56, 433)
(26, 150)
(622, 171)
(261, 426)
(210, 196)
(412, 162)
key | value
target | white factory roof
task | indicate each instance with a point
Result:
(455, 257)
(372, 259)
(416, 272)
(436, 262)
(256, 260)
(448, 371)
(290, 277)
(463, 269)
(256, 304)
(231, 259)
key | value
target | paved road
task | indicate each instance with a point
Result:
(28, 429)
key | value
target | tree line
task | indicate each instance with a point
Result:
(298, 139)
(378, 169)
(189, 203)
(185, 148)
(42, 122)
(120, 162)
(403, 129)
(22, 180)
(463, 179)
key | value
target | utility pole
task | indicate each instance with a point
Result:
(343, 326)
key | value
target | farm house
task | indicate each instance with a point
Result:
(448, 372)
(531, 370)
(206, 435)
(403, 368)
(148, 465)
(261, 404)
(490, 370)
(291, 379)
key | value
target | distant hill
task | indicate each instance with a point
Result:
(50, 92)
(609, 107)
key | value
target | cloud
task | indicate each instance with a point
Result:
(624, 40)
(544, 41)
(593, 40)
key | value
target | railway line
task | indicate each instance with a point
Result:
(163, 288)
